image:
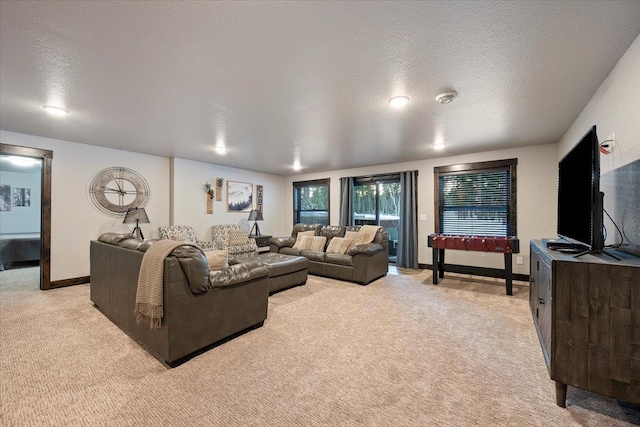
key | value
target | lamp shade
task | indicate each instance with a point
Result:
(136, 215)
(255, 215)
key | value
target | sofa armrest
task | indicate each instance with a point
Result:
(282, 242)
(367, 249)
(237, 274)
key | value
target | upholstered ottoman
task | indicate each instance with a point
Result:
(284, 271)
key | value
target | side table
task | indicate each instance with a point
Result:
(262, 241)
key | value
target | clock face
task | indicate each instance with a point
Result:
(115, 190)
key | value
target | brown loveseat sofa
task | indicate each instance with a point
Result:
(362, 263)
(200, 307)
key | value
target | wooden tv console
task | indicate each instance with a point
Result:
(586, 311)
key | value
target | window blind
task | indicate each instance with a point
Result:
(475, 203)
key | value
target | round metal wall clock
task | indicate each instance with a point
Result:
(115, 190)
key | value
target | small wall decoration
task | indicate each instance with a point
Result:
(5, 197)
(210, 194)
(219, 182)
(22, 197)
(239, 196)
(259, 195)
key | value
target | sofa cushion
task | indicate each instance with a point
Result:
(355, 237)
(217, 260)
(339, 259)
(339, 245)
(237, 237)
(298, 228)
(313, 255)
(331, 231)
(309, 233)
(317, 244)
(303, 242)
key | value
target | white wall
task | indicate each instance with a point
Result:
(189, 199)
(536, 199)
(22, 219)
(74, 219)
(615, 107)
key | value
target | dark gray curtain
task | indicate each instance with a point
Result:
(346, 201)
(408, 230)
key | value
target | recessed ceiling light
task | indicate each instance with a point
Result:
(438, 146)
(22, 161)
(56, 111)
(221, 150)
(399, 101)
(446, 97)
(296, 165)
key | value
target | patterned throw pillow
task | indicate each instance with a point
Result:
(181, 236)
(238, 237)
(317, 243)
(303, 243)
(339, 245)
(355, 237)
(217, 259)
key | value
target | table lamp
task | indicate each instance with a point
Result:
(137, 215)
(255, 216)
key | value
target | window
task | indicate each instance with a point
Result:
(476, 198)
(311, 202)
(376, 201)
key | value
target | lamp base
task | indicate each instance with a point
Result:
(256, 228)
(137, 232)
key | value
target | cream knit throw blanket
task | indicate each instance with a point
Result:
(149, 295)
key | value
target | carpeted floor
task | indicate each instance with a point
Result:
(399, 352)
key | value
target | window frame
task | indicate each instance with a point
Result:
(312, 183)
(508, 165)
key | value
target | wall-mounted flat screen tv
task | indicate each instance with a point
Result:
(579, 197)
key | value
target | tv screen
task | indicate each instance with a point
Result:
(579, 197)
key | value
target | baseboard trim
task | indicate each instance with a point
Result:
(477, 271)
(70, 282)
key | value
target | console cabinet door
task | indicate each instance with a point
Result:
(545, 305)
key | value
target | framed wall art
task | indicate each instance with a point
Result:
(259, 197)
(22, 197)
(239, 196)
(5, 197)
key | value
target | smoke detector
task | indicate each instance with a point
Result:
(446, 97)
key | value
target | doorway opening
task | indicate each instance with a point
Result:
(376, 201)
(25, 210)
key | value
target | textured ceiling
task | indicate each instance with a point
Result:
(277, 82)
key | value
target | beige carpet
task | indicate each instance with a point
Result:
(399, 352)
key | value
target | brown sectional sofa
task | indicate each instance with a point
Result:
(200, 307)
(362, 264)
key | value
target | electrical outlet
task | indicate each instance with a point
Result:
(519, 260)
(423, 217)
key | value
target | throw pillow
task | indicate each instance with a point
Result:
(309, 233)
(303, 243)
(369, 232)
(317, 243)
(355, 237)
(181, 236)
(217, 259)
(339, 245)
(238, 237)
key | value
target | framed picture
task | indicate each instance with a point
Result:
(239, 196)
(22, 197)
(5, 197)
(259, 194)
